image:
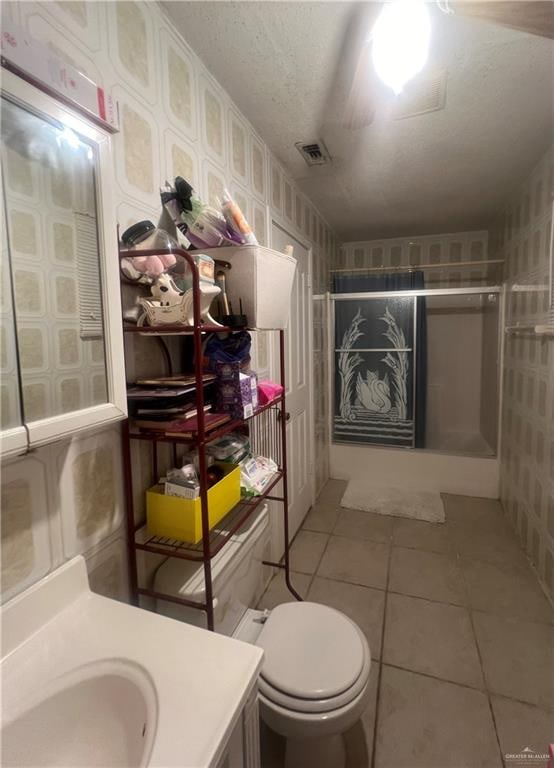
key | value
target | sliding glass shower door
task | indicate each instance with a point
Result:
(375, 373)
(417, 369)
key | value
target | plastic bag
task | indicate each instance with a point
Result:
(234, 348)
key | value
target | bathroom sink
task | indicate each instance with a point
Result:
(104, 715)
(89, 681)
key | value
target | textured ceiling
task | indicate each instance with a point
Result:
(288, 66)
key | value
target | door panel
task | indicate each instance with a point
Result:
(298, 381)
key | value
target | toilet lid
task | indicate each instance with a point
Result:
(311, 651)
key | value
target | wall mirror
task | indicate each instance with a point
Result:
(14, 434)
(61, 323)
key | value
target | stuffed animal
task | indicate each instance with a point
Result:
(165, 291)
(145, 269)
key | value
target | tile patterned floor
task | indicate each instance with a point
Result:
(461, 634)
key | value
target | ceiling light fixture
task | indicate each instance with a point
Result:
(401, 38)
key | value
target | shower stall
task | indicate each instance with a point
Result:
(415, 368)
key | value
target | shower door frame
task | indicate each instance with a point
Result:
(412, 293)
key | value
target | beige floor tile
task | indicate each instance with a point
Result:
(473, 511)
(358, 741)
(358, 562)
(306, 551)
(426, 723)
(416, 534)
(277, 591)
(517, 658)
(332, 492)
(494, 545)
(322, 519)
(426, 574)
(510, 590)
(433, 638)
(357, 524)
(361, 604)
(521, 726)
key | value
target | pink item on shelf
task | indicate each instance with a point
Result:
(268, 391)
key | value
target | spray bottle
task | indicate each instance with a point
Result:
(235, 219)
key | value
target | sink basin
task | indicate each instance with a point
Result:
(92, 682)
(102, 715)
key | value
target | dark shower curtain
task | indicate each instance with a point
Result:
(401, 281)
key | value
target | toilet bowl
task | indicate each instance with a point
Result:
(313, 686)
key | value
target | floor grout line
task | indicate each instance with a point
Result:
(482, 666)
(314, 574)
(430, 676)
(380, 671)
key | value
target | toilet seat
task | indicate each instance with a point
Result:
(316, 659)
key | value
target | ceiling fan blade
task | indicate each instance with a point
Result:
(536, 18)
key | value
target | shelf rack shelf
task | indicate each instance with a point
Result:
(218, 536)
(194, 440)
(267, 429)
(175, 330)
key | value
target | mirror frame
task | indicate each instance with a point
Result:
(66, 425)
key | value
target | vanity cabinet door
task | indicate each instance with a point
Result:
(62, 248)
(243, 747)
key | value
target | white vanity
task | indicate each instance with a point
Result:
(91, 681)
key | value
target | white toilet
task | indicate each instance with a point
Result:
(313, 685)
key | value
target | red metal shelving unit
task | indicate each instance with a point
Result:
(267, 428)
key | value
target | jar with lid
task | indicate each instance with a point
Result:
(144, 236)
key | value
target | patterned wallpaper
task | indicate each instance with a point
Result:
(175, 119)
(444, 249)
(522, 237)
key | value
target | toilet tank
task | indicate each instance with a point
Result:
(237, 578)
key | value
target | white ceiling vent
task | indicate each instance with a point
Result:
(427, 94)
(313, 152)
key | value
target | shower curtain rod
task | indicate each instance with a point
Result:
(416, 268)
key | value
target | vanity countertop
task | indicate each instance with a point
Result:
(201, 680)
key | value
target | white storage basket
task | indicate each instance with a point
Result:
(262, 279)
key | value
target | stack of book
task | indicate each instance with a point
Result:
(167, 405)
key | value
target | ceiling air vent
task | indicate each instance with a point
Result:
(313, 152)
(426, 94)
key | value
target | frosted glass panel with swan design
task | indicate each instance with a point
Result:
(374, 376)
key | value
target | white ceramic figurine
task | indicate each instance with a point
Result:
(165, 291)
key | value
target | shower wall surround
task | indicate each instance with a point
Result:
(448, 249)
(476, 472)
(66, 498)
(522, 238)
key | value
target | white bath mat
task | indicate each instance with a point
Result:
(418, 505)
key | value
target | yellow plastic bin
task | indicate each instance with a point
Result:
(181, 519)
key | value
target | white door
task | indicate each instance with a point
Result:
(298, 362)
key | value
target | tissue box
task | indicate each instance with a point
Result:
(268, 391)
(182, 491)
(236, 391)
